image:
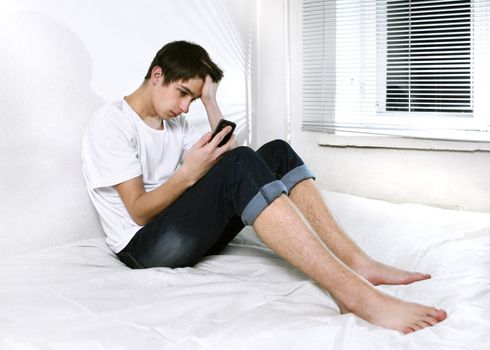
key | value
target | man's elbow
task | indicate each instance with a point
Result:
(139, 219)
(137, 213)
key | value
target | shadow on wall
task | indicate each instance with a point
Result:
(45, 103)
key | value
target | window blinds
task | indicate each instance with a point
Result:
(428, 56)
(390, 66)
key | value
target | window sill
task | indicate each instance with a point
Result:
(400, 143)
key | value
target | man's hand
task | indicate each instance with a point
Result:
(208, 98)
(209, 91)
(204, 155)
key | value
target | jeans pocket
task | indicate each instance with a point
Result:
(128, 259)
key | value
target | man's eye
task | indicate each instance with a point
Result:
(182, 93)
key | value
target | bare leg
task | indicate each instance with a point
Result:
(310, 202)
(283, 228)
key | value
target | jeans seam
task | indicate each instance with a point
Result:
(132, 259)
(264, 193)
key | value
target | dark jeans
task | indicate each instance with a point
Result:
(208, 215)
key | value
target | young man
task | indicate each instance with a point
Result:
(166, 197)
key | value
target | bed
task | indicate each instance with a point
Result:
(80, 296)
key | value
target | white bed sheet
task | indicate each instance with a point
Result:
(80, 296)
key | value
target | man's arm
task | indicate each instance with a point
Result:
(144, 206)
(210, 103)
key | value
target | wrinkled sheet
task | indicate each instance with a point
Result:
(80, 296)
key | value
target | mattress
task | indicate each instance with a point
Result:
(80, 296)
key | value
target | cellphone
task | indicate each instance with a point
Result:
(223, 123)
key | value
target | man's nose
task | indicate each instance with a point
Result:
(184, 106)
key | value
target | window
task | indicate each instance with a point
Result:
(429, 56)
(397, 67)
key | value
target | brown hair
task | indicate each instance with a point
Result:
(183, 60)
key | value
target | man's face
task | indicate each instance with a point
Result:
(174, 99)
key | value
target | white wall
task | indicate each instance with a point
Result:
(59, 61)
(443, 178)
(270, 76)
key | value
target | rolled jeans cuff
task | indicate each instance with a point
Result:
(295, 176)
(261, 200)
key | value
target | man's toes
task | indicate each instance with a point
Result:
(435, 316)
(433, 321)
(438, 314)
(423, 324)
(412, 277)
(421, 276)
(408, 330)
(416, 327)
(429, 322)
(441, 315)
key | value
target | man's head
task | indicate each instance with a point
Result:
(181, 61)
(176, 78)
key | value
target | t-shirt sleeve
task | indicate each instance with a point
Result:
(109, 152)
(191, 136)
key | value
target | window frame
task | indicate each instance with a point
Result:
(431, 125)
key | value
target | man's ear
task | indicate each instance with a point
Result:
(156, 74)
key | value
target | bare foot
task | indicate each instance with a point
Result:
(386, 311)
(378, 273)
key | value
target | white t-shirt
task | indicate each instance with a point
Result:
(118, 146)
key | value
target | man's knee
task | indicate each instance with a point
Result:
(243, 162)
(242, 155)
(277, 149)
(242, 152)
(278, 145)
